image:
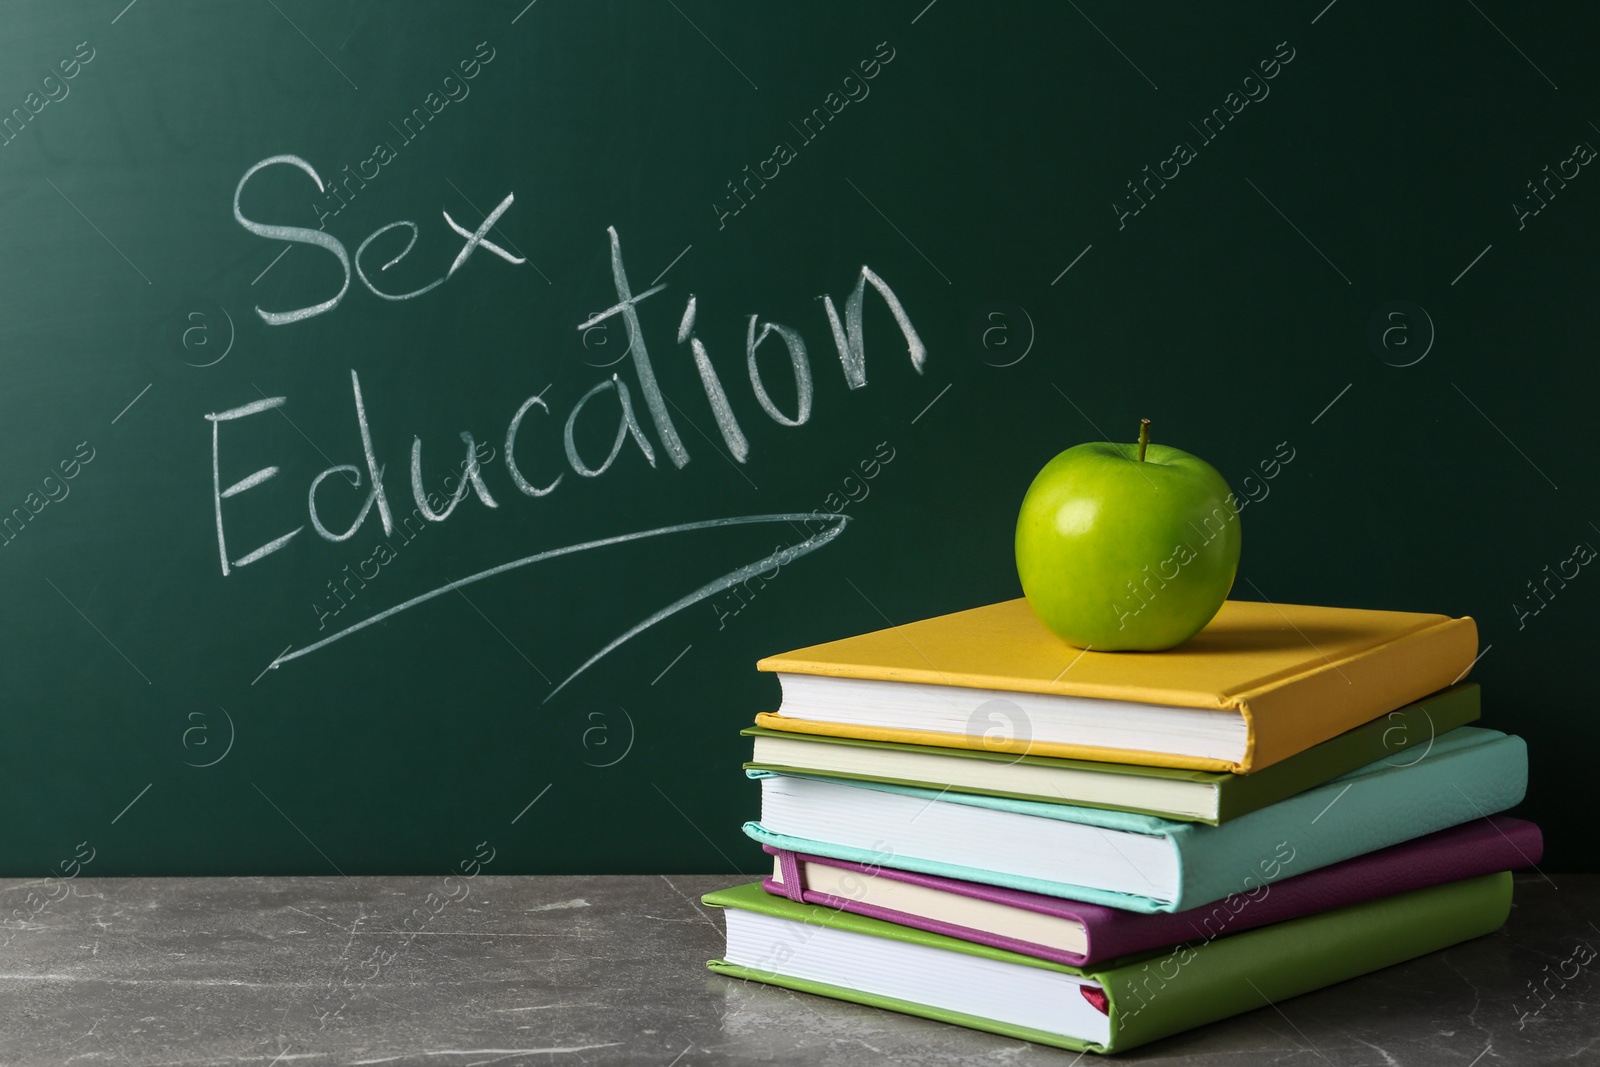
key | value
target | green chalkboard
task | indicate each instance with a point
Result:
(417, 419)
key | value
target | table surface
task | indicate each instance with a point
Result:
(610, 969)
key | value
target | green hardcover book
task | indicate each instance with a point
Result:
(1110, 1008)
(1212, 797)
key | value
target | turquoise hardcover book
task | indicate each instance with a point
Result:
(1142, 862)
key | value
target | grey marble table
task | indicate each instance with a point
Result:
(552, 970)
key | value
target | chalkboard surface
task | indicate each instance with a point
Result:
(417, 419)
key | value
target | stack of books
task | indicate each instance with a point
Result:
(973, 822)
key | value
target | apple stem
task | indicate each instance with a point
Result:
(1144, 437)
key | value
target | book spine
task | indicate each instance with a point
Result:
(1481, 772)
(1398, 736)
(1289, 715)
(1484, 846)
(1194, 986)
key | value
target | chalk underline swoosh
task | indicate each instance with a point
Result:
(779, 558)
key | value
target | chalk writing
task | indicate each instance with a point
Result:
(614, 393)
(852, 489)
(712, 588)
(341, 593)
(336, 248)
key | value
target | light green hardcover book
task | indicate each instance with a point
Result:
(1174, 793)
(1110, 1008)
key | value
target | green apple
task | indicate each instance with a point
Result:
(1127, 547)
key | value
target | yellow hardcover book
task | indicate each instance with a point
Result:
(1259, 684)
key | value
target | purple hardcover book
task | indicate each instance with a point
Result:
(1079, 934)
